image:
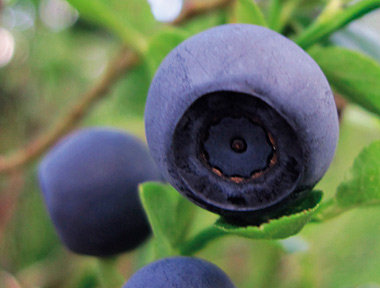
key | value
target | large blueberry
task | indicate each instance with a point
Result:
(180, 272)
(89, 181)
(241, 120)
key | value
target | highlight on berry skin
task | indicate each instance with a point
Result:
(249, 121)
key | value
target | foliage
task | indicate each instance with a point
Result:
(40, 82)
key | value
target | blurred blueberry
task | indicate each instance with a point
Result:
(89, 181)
(180, 272)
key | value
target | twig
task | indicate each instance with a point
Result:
(341, 104)
(8, 198)
(122, 63)
(8, 281)
(195, 8)
(51, 271)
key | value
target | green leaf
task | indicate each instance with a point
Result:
(280, 228)
(131, 93)
(161, 44)
(169, 214)
(364, 186)
(206, 21)
(335, 16)
(106, 14)
(138, 13)
(275, 7)
(292, 11)
(351, 74)
(247, 11)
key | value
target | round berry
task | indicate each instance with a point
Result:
(89, 181)
(241, 120)
(180, 272)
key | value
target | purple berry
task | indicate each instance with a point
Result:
(89, 181)
(180, 272)
(241, 121)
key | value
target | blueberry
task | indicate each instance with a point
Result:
(241, 121)
(89, 182)
(180, 272)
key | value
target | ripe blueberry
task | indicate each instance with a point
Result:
(180, 272)
(241, 120)
(89, 182)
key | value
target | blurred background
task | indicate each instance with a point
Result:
(49, 57)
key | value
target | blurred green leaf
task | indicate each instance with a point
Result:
(169, 214)
(247, 11)
(107, 14)
(351, 74)
(206, 21)
(132, 92)
(161, 44)
(88, 277)
(364, 186)
(125, 106)
(335, 15)
(280, 228)
(33, 223)
(295, 16)
(274, 17)
(138, 13)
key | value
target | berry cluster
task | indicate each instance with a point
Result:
(239, 119)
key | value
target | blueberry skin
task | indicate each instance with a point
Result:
(180, 272)
(89, 182)
(263, 82)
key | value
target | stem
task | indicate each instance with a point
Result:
(110, 276)
(272, 266)
(201, 240)
(7, 280)
(8, 199)
(129, 35)
(123, 62)
(328, 210)
(330, 22)
(274, 18)
(44, 273)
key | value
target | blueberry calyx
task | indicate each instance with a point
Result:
(222, 178)
(238, 145)
(238, 148)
